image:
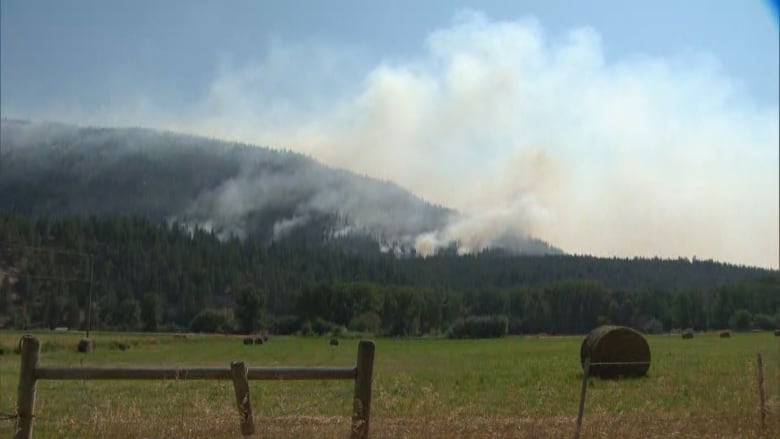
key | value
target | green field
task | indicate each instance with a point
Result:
(430, 388)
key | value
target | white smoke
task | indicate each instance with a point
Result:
(528, 134)
(286, 226)
(521, 132)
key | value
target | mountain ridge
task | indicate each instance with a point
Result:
(55, 169)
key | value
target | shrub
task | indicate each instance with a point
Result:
(764, 321)
(366, 322)
(286, 325)
(515, 326)
(321, 326)
(306, 328)
(480, 327)
(210, 320)
(741, 320)
(653, 326)
(117, 345)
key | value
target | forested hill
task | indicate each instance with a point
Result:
(167, 276)
(233, 189)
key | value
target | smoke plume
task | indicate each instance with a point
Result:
(526, 134)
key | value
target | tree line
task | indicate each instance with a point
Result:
(142, 275)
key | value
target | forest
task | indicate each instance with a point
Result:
(141, 275)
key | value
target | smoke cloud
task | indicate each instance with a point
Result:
(524, 133)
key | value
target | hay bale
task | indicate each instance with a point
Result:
(687, 334)
(725, 334)
(259, 340)
(86, 345)
(616, 344)
(334, 342)
(248, 340)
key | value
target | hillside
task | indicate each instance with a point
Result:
(149, 276)
(193, 233)
(57, 170)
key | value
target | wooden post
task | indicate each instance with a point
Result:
(25, 402)
(89, 304)
(361, 408)
(761, 393)
(585, 372)
(238, 371)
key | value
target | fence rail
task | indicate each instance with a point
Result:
(361, 373)
(194, 373)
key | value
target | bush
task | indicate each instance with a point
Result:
(741, 320)
(515, 326)
(653, 326)
(286, 325)
(321, 326)
(480, 327)
(306, 328)
(764, 321)
(210, 320)
(366, 322)
(338, 331)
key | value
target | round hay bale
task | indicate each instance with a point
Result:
(687, 334)
(248, 340)
(259, 340)
(334, 342)
(86, 345)
(725, 334)
(616, 344)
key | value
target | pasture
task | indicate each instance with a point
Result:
(515, 387)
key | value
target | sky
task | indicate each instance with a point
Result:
(610, 128)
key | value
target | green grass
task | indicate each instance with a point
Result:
(512, 387)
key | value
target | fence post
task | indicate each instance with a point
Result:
(361, 409)
(585, 372)
(25, 402)
(761, 393)
(241, 385)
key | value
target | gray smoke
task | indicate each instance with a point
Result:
(524, 133)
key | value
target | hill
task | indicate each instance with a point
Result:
(170, 277)
(193, 233)
(49, 169)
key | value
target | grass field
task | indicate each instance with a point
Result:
(423, 388)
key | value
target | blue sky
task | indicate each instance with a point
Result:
(81, 52)
(604, 127)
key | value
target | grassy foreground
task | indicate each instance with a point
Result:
(517, 387)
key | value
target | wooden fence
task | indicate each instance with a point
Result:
(362, 373)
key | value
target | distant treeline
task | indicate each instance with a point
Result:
(160, 277)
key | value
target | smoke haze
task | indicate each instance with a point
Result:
(523, 132)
